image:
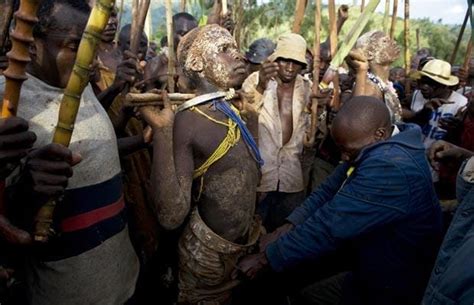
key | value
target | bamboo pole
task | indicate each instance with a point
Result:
(310, 138)
(461, 34)
(182, 6)
(335, 103)
(362, 6)
(394, 18)
(171, 55)
(385, 16)
(299, 15)
(19, 56)
(407, 43)
(71, 100)
(5, 20)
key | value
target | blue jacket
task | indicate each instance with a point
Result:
(452, 279)
(386, 208)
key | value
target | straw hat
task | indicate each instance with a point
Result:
(290, 46)
(439, 71)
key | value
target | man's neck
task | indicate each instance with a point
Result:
(287, 85)
(382, 71)
(205, 87)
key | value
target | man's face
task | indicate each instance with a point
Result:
(108, 34)
(428, 87)
(388, 50)
(223, 66)
(325, 60)
(181, 27)
(124, 44)
(288, 69)
(56, 51)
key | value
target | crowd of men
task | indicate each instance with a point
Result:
(244, 194)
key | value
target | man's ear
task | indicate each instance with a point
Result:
(381, 134)
(195, 63)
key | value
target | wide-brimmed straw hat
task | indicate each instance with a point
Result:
(439, 71)
(290, 46)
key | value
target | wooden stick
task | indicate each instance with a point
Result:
(333, 43)
(136, 34)
(149, 97)
(224, 8)
(5, 20)
(119, 22)
(19, 56)
(171, 55)
(310, 137)
(385, 16)
(362, 6)
(182, 6)
(394, 18)
(407, 44)
(461, 34)
(417, 39)
(72, 97)
(299, 15)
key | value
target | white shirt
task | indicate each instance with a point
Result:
(282, 169)
(432, 131)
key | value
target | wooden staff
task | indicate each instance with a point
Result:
(335, 103)
(19, 56)
(362, 5)
(5, 20)
(407, 44)
(224, 7)
(299, 15)
(182, 6)
(72, 97)
(385, 16)
(394, 18)
(310, 137)
(417, 39)
(171, 55)
(138, 24)
(461, 34)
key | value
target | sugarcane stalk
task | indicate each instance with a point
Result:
(385, 16)
(171, 55)
(394, 19)
(299, 15)
(182, 6)
(310, 137)
(461, 34)
(19, 56)
(348, 43)
(5, 20)
(407, 44)
(334, 104)
(71, 100)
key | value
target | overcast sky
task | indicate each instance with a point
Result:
(450, 11)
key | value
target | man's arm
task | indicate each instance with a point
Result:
(172, 167)
(363, 205)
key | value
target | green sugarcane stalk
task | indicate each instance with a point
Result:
(72, 97)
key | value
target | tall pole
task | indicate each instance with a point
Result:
(171, 57)
(333, 42)
(407, 42)
(417, 39)
(299, 15)
(394, 19)
(362, 5)
(461, 33)
(182, 6)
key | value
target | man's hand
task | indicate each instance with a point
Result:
(50, 168)
(451, 124)
(442, 151)
(128, 71)
(435, 103)
(269, 238)
(268, 71)
(15, 141)
(357, 60)
(158, 119)
(252, 264)
(12, 234)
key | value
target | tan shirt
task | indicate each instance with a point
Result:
(282, 169)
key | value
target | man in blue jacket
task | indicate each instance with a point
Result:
(380, 201)
(452, 278)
